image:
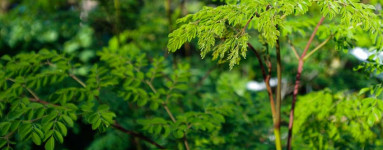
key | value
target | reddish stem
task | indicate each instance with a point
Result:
(297, 82)
(266, 78)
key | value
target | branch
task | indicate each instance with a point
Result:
(266, 78)
(41, 101)
(297, 82)
(78, 80)
(169, 13)
(139, 135)
(35, 97)
(293, 48)
(206, 75)
(317, 48)
(259, 60)
(118, 126)
(170, 114)
(311, 38)
(248, 21)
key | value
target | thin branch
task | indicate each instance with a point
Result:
(317, 48)
(32, 93)
(248, 21)
(293, 48)
(78, 80)
(186, 142)
(35, 97)
(206, 75)
(311, 38)
(170, 114)
(118, 126)
(283, 16)
(297, 82)
(151, 86)
(164, 103)
(259, 60)
(139, 135)
(169, 13)
(115, 125)
(41, 101)
(266, 79)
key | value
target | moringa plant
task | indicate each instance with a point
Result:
(43, 95)
(225, 32)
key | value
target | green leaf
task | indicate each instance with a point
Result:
(50, 117)
(24, 130)
(62, 128)
(4, 127)
(167, 131)
(364, 90)
(68, 120)
(50, 144)
(48, 134)
(178, 134)
(154, 106)
(36, 138)
(39, 132)
(58, 136)
(103, 108)
(47, 126)
(30, 114)
(96, 124)
(15, 125)
(6, 57)
(2, 143)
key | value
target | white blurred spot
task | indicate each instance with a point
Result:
(361, 54)
(259, 86)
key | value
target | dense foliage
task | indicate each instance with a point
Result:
(102, 74)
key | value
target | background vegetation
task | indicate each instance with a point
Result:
(97, 74)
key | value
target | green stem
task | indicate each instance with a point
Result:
(169, 13)
(278, 97)
(278, 143)
(317, 48)
(293, 48)
(117, 21)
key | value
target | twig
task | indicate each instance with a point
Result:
(186, 142)
(200, 82)
(78, 80)
(293, 48)
(297, 82)
(169, 14)
(317, 48)
(139, 135)
(170, 114)
(41, 101)
(151, 86)
(311, 38)
(259, 60)
(118, 126)
(266, 78)
(248, 21)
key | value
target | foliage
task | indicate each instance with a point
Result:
(327, 119)
(107, 81)
(222, 29)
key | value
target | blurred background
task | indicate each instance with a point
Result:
(82, 28)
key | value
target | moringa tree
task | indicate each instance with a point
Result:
(225, 31)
